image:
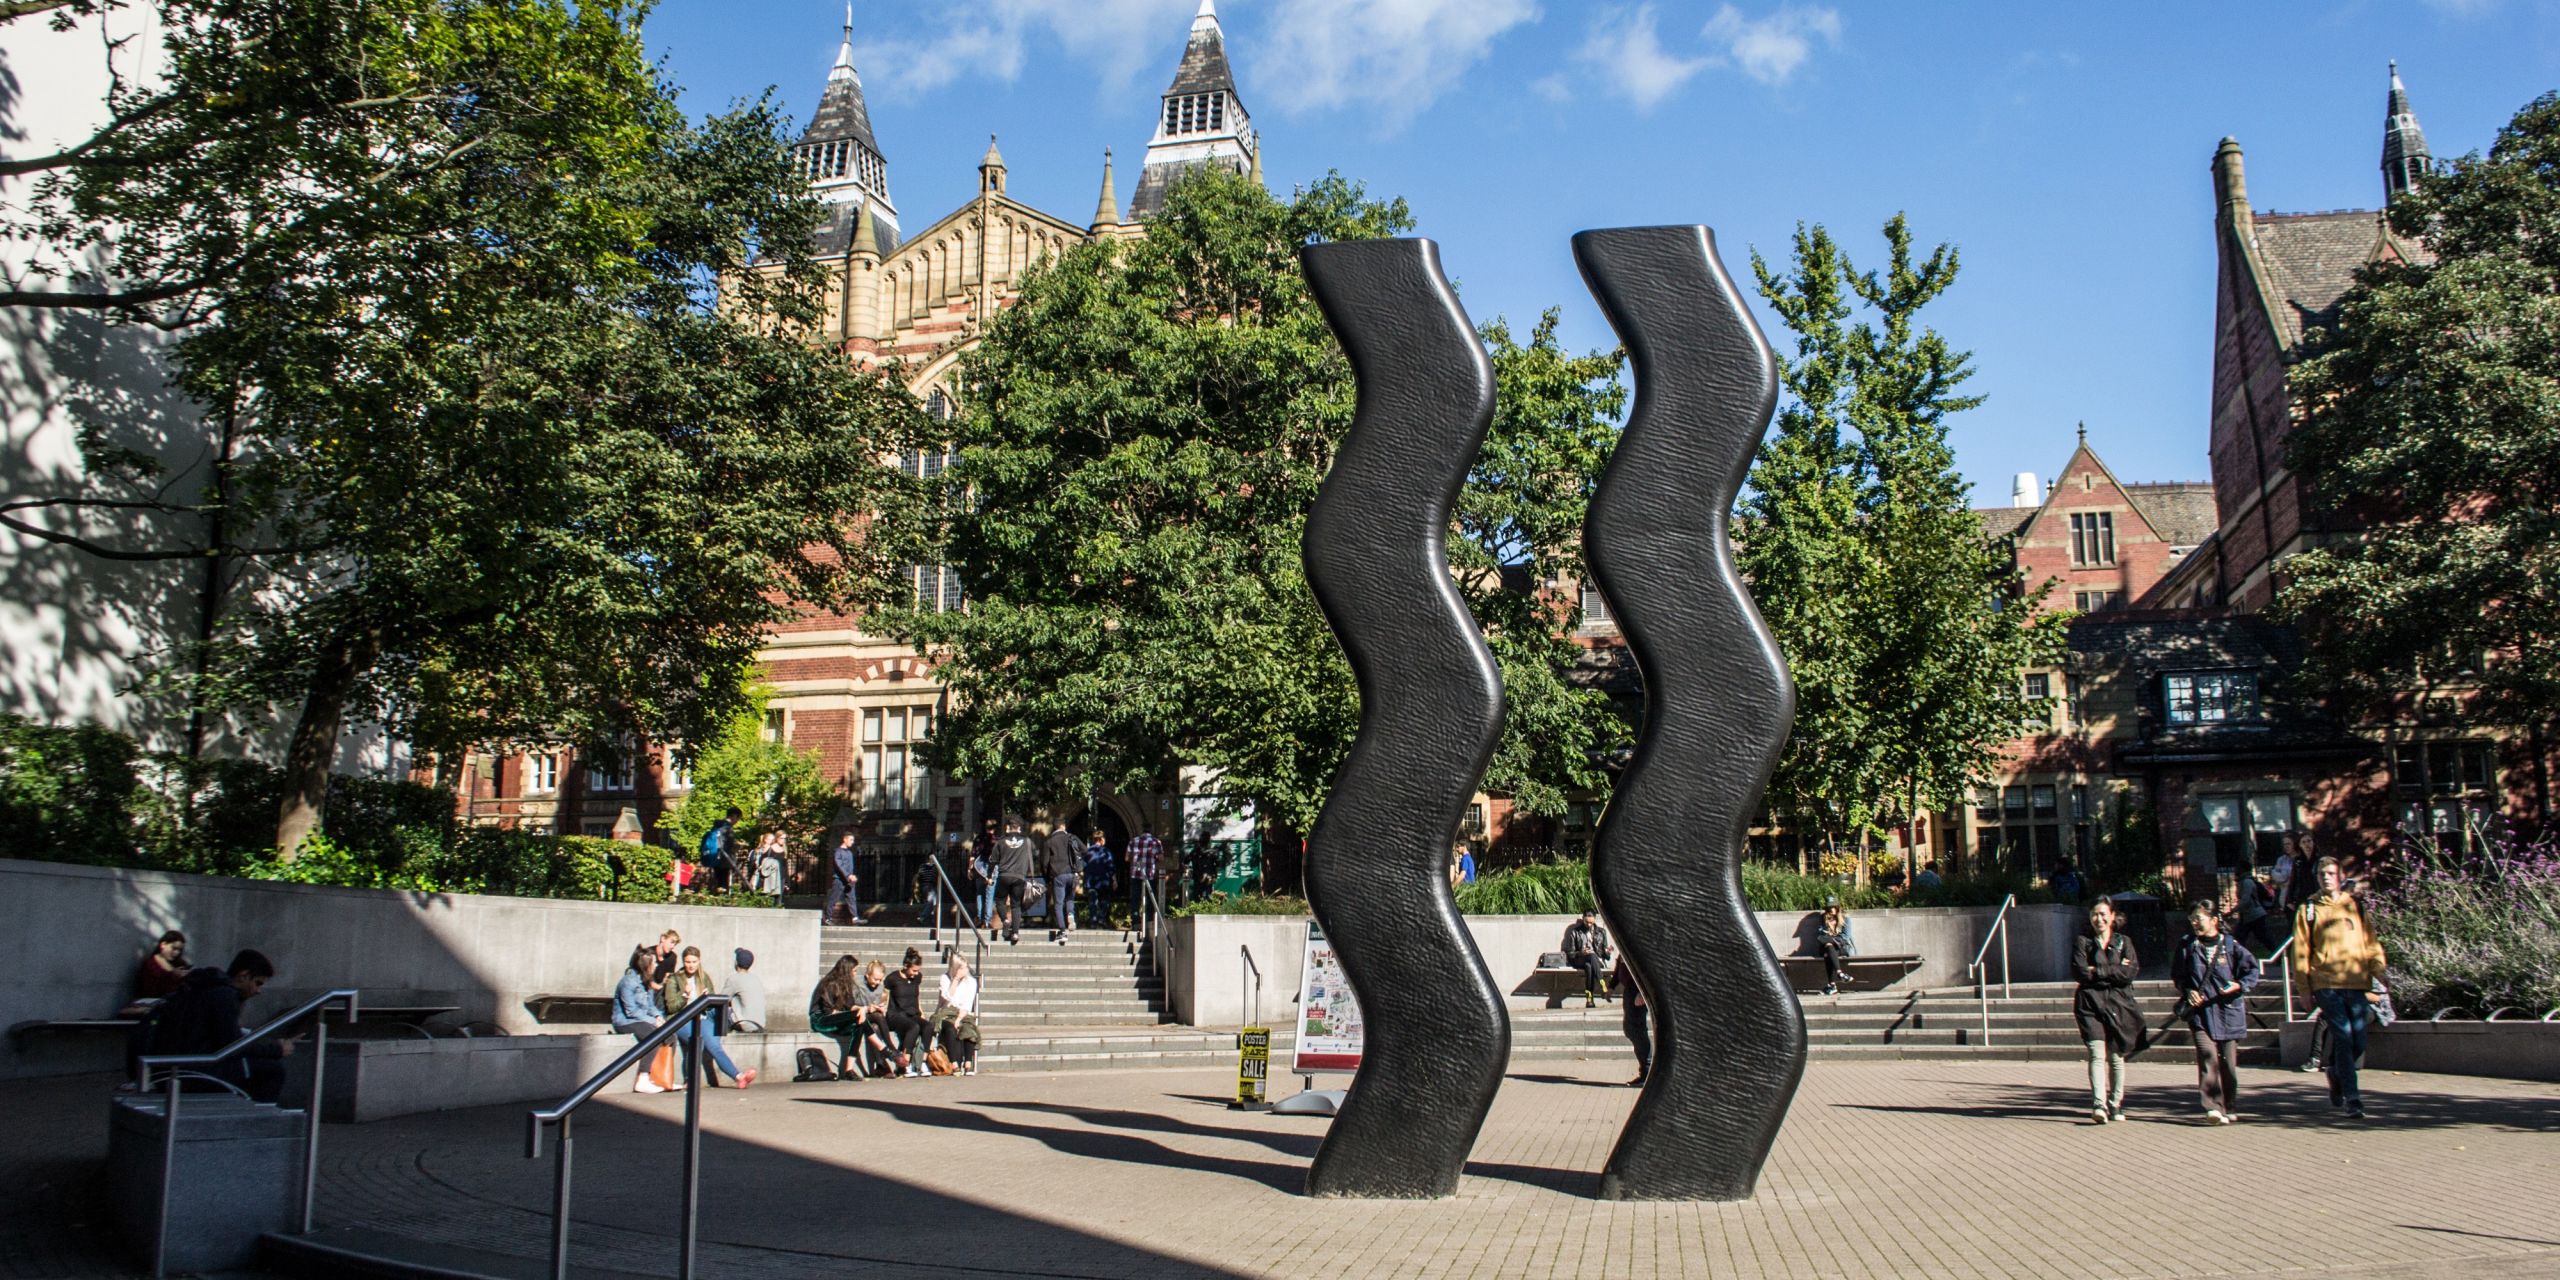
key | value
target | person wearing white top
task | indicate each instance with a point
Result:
(955, 1020)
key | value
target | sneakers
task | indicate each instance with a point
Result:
(646, 1085)
(1590, 1001)
(2097, 1115)
(2115, 1111)
(2355, 1109)
(1638, 1082)
(2310, 1065)
(2215, 1116)
(746, 1077)
(1831, 988)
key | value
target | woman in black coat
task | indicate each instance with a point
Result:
(2110, 1022)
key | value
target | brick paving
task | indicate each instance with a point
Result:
(1918, 1169)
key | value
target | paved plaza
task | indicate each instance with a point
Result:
(1890, 1169)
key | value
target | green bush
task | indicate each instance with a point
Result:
(2476, 933)
(67, 795)
(1243, 904)
(1559, 888)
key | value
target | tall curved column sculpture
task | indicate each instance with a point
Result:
(1667, 866)
(1436, 1034)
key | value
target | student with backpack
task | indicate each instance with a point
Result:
(2214, 974)
(717, 857)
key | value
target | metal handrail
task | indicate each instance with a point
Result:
(933, 926)
(1255, 971)
(1979, 969)
(310, 1115)
(560, 1114)
(1151, 925)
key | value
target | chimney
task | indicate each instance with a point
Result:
(2025, 492)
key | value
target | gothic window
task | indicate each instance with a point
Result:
(894, 775)
(936, 587)
(2093, 538)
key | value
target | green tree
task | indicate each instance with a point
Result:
(518, 432)
(2431, 423)
(773, 786)
(1141, 437)
(1901, 620)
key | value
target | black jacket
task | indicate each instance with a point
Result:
(1066, 853)
(1013, 856)
(2208, 967)
(2104, 1006)
(204, 1017)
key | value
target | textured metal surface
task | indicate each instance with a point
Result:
(1437, 1035)
(1667, 864)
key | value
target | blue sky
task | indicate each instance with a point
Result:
(2064, 148)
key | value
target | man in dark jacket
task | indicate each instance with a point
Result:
(1064, 856)
(841, 882)
(1586, 947)
(204, 1017)
(1013, 856)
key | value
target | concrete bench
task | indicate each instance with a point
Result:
(571, 1008)
(1557, 985)
(1858, 973)
(20, 1033)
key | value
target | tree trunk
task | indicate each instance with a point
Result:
(315, 736)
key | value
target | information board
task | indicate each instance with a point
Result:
(1329, 1034)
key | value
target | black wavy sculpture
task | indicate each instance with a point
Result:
(1437, 1036)
(1667, 865)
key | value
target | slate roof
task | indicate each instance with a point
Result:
(1204, 64)
(2142, 649)
(841, 112)
(2182, 512)
(2311, 259)
(1158, 178)
(2002, 522)
(837, 232)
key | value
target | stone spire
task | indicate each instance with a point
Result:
(1106, 211)
(991, 169)
(841, 158)
(1201, 121)
(2404, 145)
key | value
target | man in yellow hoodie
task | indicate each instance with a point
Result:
(2337, 955)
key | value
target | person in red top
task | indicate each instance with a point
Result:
(164, 970)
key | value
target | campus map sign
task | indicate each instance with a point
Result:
(1329, 1034)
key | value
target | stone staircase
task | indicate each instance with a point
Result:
(1093, 1004)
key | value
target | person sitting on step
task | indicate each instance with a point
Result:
(1586, 947)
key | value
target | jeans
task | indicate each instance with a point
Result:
(2349, 1014)
(840, 890)
(710, 1043)
(1062, 903)
(1595, 973)
(987, 905)
(1009, 891)
(2106, 1077)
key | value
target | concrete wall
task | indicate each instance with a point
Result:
(72, 935)
(1205, 986)
(378, 1079)
(2506, 1050)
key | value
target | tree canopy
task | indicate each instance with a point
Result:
(1903, 624)
(1139, 441)
(2430, 425)
(519, 431)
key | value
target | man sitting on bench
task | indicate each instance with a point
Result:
(1586, 947)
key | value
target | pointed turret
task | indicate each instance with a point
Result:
(842, 159)
(1202, 122)
(1106, 211)
(991, 169)
(2404, 145)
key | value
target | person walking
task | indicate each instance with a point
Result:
(1013, 857)
(687, 984)
(1638, 1020)
(1586, 947)
(842, 884)
(1098, 870)
(1146, 868)
(2103, 962)
(1065, 862)
(719, 854)
(982, 877)
(2214, 974)
(1834, 941)
(2335, 951)
(905, 1019)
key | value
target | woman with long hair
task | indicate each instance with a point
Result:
(955, 1018)
(835, 1012)
(635, 1008)
(2103, 962)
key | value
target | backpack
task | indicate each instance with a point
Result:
(715, 845)
(813, 1066)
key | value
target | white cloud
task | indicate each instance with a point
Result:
(1770, 49)
(1553, 88)
(1394, 55)
(1625, 53)
(993, 39)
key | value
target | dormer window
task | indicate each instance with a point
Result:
(2210, 697)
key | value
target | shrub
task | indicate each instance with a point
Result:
(66, 795)
(1560, 888)
(2472, 933)
(1243, 904)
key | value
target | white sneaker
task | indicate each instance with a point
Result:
(2215, 1116)
(646, 1085)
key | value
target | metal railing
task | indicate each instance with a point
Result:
(1979, 969)
(933, 927)
(311, 1113)
(560, 1115)
(1253, 973)
(2282, 959)
(1150, 923)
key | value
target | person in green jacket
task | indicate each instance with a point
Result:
(691, 982)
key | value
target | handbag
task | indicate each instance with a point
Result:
(662, 1068)
(1035, 888)
(938, 1062)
